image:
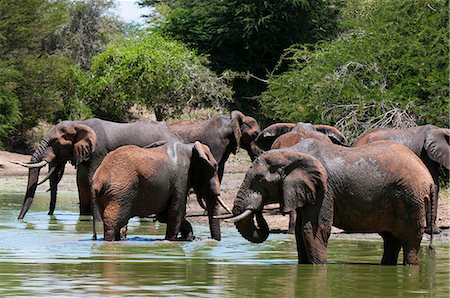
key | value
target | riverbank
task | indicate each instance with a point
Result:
(13, 178)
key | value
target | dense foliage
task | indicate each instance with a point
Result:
(389, 67)
(245, 36)
(160, 74)
(40, 44)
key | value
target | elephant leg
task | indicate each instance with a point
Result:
(301, 248)
(186, 231)
(114, 218)
(411, 247)
(174, 219)
(292, 221)
(315, 235)
(392, 248)
(84, 191)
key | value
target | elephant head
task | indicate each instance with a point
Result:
(67, 141)
(280, 176)
(204, 180)
(245, 130)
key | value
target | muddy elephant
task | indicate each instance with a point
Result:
(134, 181)
(222, 134)
(287, 135)
(378, 188)
(428, 142)
(268, 135)
(84, 144)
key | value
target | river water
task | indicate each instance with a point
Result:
(55, 256)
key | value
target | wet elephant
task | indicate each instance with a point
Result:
(222, 134)
(378, 188)
(268, 135)
(84, 144)
(134, 181)
(428, 142)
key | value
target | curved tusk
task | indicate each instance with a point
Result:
(32, 165)
(222, 203)
(50, 172)
(223, 216)
(241, 216)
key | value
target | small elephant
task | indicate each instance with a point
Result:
(268, 135)
(428, 142)
(84, 144)
(222, 134)
(378, 188)
(134, 181)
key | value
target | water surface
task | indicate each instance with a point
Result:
(55, 256)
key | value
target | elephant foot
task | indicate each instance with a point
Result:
(436, 230)
(291, 231)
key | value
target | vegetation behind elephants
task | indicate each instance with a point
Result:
(352, 64)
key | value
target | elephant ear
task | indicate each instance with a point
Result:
(206, 156)
(305, 181)
(335, 135)
(268, 135)
(237, 118)
(437, 146)
(84, 143)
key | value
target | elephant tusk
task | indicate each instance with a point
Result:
(222, 203)
(241, 216)
(223, 216)
(50, 172)
(32, 165)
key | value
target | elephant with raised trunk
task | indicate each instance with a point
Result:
(428, 142)
(84, 144)
(378, 188)
(222, 134)
(134, 181)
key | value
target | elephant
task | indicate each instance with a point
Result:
(84, 144)
(378, 188)
(222, 134)
(428, 142)
(135, 181)
(269, 134)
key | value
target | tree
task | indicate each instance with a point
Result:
(389, 67)
(155, 72)
(245, 36)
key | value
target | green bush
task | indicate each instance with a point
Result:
(154, 72)
(389, 67)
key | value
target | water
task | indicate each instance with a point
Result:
(55, 256)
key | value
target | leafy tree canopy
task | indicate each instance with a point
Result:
(245, 36)
(389, 67)
(158, 73)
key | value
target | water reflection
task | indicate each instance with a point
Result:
(45, 255)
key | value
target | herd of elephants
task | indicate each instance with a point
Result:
(386, 181)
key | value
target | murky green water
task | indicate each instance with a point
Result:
(55, 256)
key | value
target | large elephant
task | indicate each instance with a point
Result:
(268, 135)
(378, 188)
(84, 144)
(284, 135)
(222, 134)
(428, 142)
(134, 181)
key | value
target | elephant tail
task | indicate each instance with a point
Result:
(430, 216)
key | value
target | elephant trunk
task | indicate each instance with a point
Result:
(33, 176)
(250, 200)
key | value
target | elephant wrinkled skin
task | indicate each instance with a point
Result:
(378, 188)
(430, 143)
(222, 134)
(134, 181)
(85, 144)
